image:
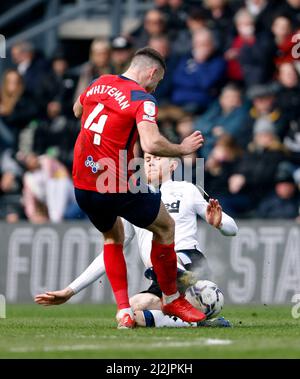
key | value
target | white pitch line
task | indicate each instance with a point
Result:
(154, 345)
(215, 341)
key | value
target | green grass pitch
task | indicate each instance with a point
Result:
(89, 331)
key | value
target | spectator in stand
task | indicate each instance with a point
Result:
(219, 14)
(197, 19)
(162, 5)
(283, 202)
(154, 24)
(57, 87)
(226, 116)
(176, 15)
(164, 89)
(219, 167)
(264, 105)
(288, 96)
(244, 23)
(29, 64)
(10, 188)
(262, 11)
(184, 128)
(255, 174)
(99, 64)
(246, 63)
(292, 142)
(17, 108)
(121, 54)
(198, 77)
(55, 135)
(47, 189)
(168, 113)
(292, 9)
(282, 29)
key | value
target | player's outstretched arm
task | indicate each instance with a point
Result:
(54, 297)
(92, 273)
(153, 142)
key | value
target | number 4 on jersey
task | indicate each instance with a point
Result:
(96, 127)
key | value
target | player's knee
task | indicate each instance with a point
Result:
(143, 301)
(138, 302)
(167, 231)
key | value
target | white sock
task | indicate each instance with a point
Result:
(161, 320)
(170, 298)
(93, 272)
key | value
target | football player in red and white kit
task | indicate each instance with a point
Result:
(113, 111)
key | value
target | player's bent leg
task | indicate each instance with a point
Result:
(163, 256)
(164, 262)
(157, 319)
(142, 301)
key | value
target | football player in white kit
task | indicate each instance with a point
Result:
(184, 202)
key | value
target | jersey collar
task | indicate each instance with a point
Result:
(166, 183)
(125, 78)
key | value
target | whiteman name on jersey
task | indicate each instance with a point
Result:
(110, 91)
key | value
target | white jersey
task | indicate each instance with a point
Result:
(184, 202)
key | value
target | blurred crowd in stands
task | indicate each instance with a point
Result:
(233, 73)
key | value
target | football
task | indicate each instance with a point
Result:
(206, 296)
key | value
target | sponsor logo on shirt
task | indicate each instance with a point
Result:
(90, 163)
(173, 207)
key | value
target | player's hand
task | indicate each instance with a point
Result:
(191, 143)
(214, 213)
(54, 297)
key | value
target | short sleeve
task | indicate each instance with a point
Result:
(147, 111)
(199, 203)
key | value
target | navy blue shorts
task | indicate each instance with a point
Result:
(141, 209)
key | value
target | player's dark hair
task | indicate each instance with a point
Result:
(152, 54)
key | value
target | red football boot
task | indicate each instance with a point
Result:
(181, 308)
